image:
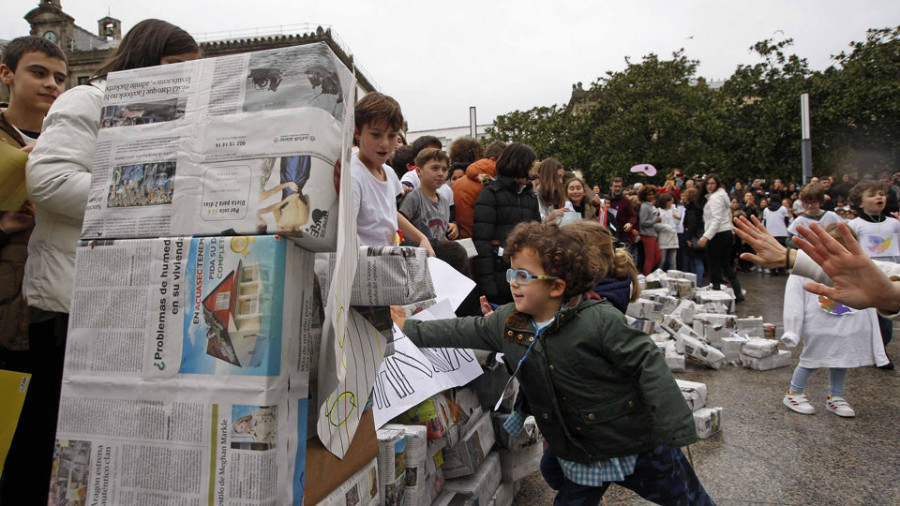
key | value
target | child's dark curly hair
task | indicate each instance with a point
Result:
(564, 255)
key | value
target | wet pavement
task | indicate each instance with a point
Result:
(767, 454)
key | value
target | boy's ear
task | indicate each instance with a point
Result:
(558, 288)
(6, 74)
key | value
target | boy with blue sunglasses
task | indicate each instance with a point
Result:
(600, 390)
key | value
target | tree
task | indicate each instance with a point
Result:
(859, 116)
(763, 132)
(655, 111)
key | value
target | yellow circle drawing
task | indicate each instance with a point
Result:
(351, 397)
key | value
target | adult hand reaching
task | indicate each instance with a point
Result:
(858, 282)
(769, 253)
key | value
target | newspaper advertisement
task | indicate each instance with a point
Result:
(242, 144)
(183, 379)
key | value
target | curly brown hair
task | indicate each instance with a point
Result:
(563, 253)
(644, 193)
(615, 263)
(465, 150)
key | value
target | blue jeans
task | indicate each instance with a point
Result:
(836, 379)
(662, 475)
(695, 265)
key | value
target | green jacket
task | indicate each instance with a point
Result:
(597, 387)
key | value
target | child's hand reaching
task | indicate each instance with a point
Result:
(453, 231)
(425, 243)
(398, 315)
(486, 308)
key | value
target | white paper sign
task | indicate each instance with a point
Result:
(411, 375)
(449, 283)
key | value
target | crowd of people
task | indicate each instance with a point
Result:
(546, 242)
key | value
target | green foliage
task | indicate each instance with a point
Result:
(657, 111)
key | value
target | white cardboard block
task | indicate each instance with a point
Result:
(708, 421)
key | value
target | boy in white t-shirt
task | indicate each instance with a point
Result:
(375, 185)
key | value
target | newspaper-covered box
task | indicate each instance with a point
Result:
(385, 275)
(464, 458)
(760, 348)
(361, 489)
(702, 353)
(416, 493)
(483, 483)
(694, 393)
(183, 372)
(504, 495)
(780, 359)
(391, 465)
(250, 143)
(517, 464)
(708, 421)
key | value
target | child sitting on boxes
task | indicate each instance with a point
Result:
(600, 391)
(833, 335)
(375, 185)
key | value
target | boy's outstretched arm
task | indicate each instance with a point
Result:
(470, 332)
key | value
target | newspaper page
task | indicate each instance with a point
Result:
(183, 379)
(242, 144)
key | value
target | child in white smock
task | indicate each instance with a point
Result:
(833, 335)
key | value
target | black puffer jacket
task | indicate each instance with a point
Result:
(498, 210)
(693, 227)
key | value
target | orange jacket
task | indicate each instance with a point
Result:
(465, 194)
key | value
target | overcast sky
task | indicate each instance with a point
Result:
(439, 58)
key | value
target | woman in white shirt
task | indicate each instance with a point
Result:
(718, 237)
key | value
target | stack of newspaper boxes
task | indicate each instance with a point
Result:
(697, 325)
(191, 328)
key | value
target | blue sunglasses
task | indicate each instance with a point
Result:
(522, 276)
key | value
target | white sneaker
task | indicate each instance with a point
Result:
(799, 403)
(839, 406)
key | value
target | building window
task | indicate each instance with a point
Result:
(223, 300)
